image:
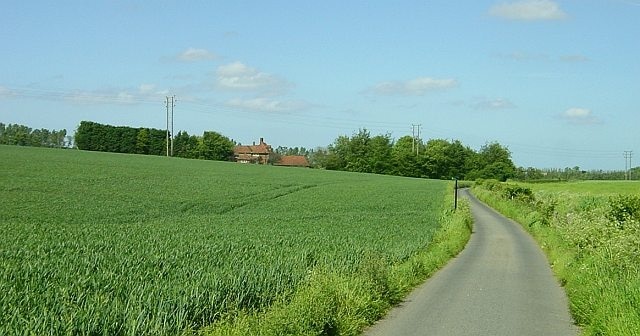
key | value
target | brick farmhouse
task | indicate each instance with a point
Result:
(253, 153)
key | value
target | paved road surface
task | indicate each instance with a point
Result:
(501, 284)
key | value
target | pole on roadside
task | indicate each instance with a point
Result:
(455, 197)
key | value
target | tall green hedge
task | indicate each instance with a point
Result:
(93, 136)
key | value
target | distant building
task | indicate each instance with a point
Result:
(293, 161)
(254, 153)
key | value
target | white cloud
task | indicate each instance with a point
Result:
(150, 90)
(494, 104)
(146, 88)
(194, 55)
(580, 116)
(238, 76)
(268, 105)
(528, 10)
(414, 87)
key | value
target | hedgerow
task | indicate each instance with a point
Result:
(593, 244)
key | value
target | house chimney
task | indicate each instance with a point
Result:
(254, 143)
(261, 141)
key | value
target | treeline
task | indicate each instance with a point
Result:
(121, 139)
(380, 154)
(301, 151)
(93, 136)
(438, 158)
(281, 151)
(575, 173)
(20, 135)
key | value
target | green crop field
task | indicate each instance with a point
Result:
(593, 188)
(111, 244)
(591, 233)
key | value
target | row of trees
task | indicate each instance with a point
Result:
(438, 158)
(281, 151)
(20, 135)
(380, 154)
(121, 139)
(209, 146)
(575, 173)
(93, 136)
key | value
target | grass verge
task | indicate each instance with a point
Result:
(595, 257)
(332, 303)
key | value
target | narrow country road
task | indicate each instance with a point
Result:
(501, 284)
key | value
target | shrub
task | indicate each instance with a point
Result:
(623, 208)
(517, 192)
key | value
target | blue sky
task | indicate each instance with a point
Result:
(558, 82)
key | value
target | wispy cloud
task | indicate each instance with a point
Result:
(100, 97)
(574, 58)
(238, 76)
(528, 10)
(580, 116)
(268, 105)
(6, 92)
(527, 56)
(631, 2)
(143, 93)
(524, 56)
(493, 104)
(414, 87)
(195, 55)
(231, 34)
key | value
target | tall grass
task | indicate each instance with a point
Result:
(111, 244)
(592, 237)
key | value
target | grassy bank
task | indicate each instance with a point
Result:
(591, 234)
(96, 243)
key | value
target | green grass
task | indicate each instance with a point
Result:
(595, 255)
(111, 244)
(594, 188)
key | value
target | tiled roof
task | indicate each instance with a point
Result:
(293, 161)
(261, 148)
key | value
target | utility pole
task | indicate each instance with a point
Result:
(166, 103)
(173, 104)
(416, 143)
(627, 167)
(413, 138)
(170, 100)
(630, 166)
